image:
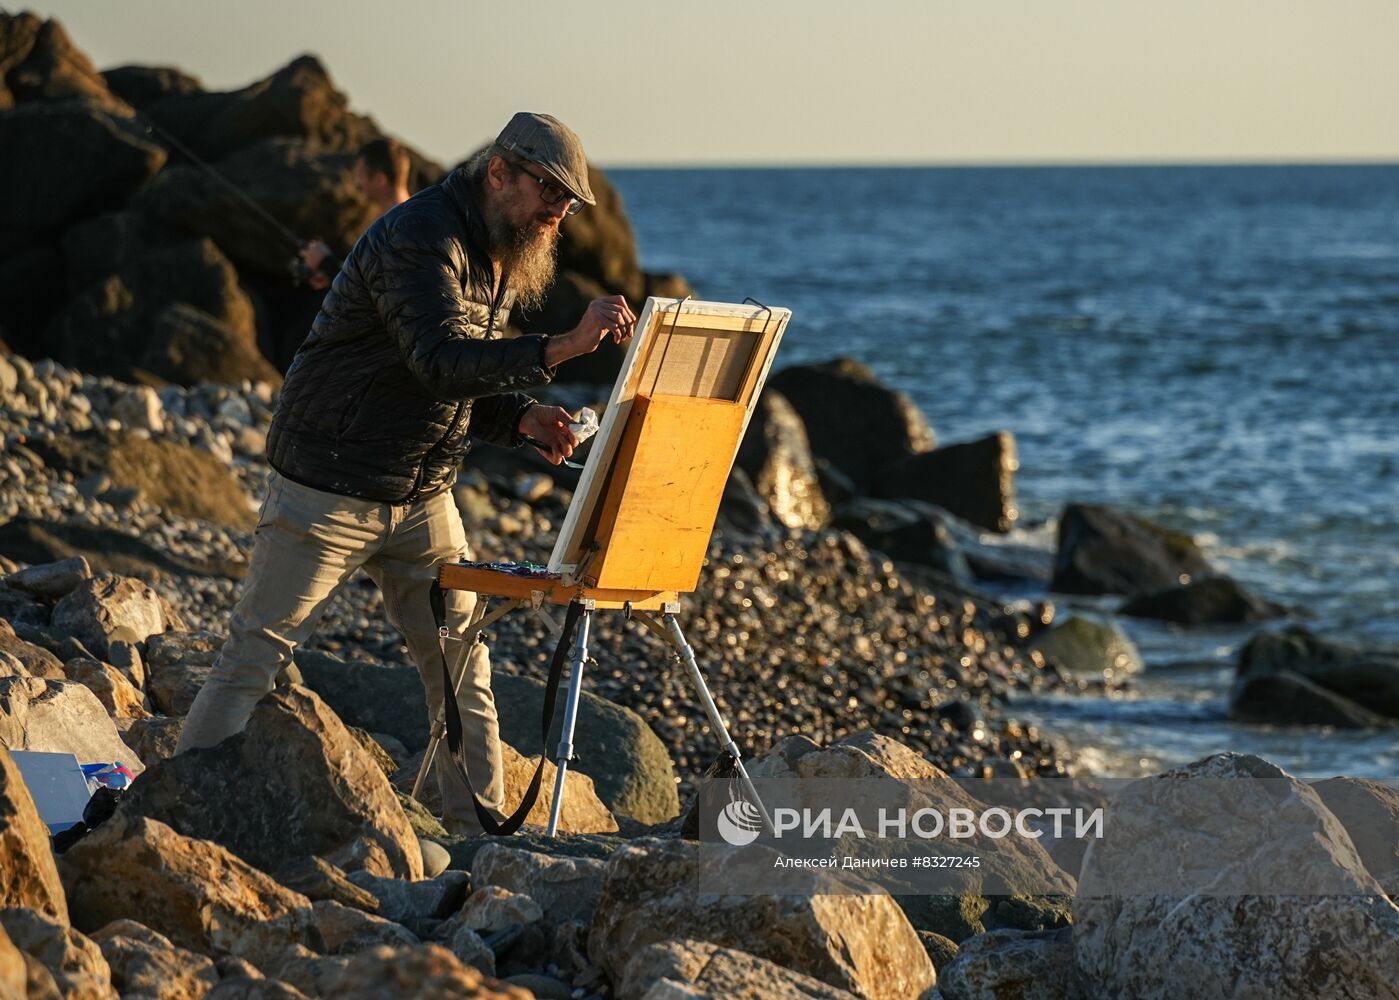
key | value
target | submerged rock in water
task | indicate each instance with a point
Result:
(1287, 699)
(1369, 677)
(1107, 551)
(1216, 600)
(1081, 644)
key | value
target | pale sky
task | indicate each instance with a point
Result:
(819, 81)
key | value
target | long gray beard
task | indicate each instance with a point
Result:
(528, 257)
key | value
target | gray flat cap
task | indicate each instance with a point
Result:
(545, 140)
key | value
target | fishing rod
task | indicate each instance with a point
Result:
(208, 168)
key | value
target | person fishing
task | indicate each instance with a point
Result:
(381, 171)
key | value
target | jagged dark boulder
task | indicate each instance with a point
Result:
(1367, 677)
(39, 62)
(1107, 551)
(110, 327)
(975, 481)
(852, 420)
(66, 160)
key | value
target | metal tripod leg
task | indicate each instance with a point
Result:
(687, 657)
(479, 621)
(570, 717)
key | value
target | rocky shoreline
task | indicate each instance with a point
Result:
(810, 640)
(847, 620)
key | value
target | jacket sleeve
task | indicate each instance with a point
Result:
(494, 419)
(417, 292)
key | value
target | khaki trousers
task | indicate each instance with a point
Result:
(307, 544)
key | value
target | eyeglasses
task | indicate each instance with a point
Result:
(549, 192)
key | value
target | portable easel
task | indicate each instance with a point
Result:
(637, 531)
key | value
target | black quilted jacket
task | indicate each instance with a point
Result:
(406, 358)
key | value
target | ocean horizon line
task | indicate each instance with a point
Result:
(1201, 164)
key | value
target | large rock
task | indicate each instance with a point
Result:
(177, 664)
(60, 717)
(153, 739)
(317, 879)
(428, 972)
(39, 62)
(65, 161)
(629, 765)
(297, 101)
(75, 962)
(428, 898)
(300, 185)
(853, 421)
(36, 660)
(713, 971)
(375, 697)
(860, 943)
(1107, 551)
(190, 347)
(28, 876)
(346, 930)
(1216, 600)
(115, 692)
(975, 481)
(112, 325)
(33, 288)
(106, 609)
(742, 512)
(196, 893)
(776, 455)
(14, 972)
(1017, 884)
(1283, 698)
(1026, 965)
(295, 782)
(1231, 876)
(1368, 677)
(147, 964)
(51, 580)
(491, 908)
(1369, 811)
(1084, 645)
(142, 86)
(566, 888)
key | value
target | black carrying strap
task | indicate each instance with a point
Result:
(452, 714)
